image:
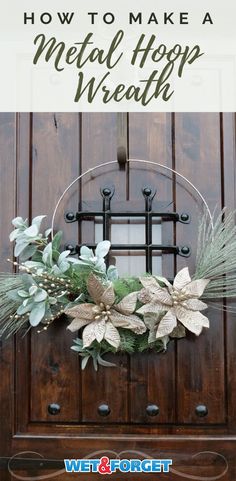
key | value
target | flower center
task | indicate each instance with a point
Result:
(102, 311)
(178, 297)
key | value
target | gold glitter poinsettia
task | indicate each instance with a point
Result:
(102, 318)
(181, 301)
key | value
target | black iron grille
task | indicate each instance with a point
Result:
(130, 210)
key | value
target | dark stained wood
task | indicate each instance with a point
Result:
(55, 163)
(108, 386)
(23, 205)
(228, 154)
(7, 211)
(152, 377)
(39, 155)
(201, 367)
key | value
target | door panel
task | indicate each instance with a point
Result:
(201, 368)
(152, 377)
(40, 154)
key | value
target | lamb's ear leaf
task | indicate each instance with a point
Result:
(14, 234)
(38, 220)
(20, 246)
(28, 252)
(37, 314)
(19, 222)
(102, 248)
(84, 362)
(24, 309)
(32, 290)
(27, 280)
(104, 363)
(48, 232)
(13, 295)
(86, 252)
(31, 264)
(40, 296)
(31, 231)
(112, 273)
(63, 256)
(56, 242)
(47, 254)
(64, 266)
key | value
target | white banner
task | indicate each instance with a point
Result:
(118, 56)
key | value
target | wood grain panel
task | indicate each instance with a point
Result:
(109, 385)
(55, 162)
(7, 212)
(229, 158)
(152, 377)
(39, 155)
(23, 208)
(200, 360)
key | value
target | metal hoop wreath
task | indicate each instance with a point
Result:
(130, 161)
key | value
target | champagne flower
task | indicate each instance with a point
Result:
(179, 302)
(102, 318)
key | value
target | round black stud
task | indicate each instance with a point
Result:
(54, 409)
(69, 247)
(147, 191)
(106, 191)
(104, 410)
(201, 411)
(152, 410)
(184, 217)
(70, 216)
(185, 250)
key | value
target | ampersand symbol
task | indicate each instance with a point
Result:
(104, 467)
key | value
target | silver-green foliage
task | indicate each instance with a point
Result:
(216, 255)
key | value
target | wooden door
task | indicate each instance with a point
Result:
(39, 155)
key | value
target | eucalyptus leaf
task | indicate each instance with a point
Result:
(13, 235)
(112, 273)
(13, 295)
(88, 259)
(27, 280)
(52, 300)
(75, 348)
(33, 290)
(31, 231)
(78, 341)
(40, 296)
(31, 264)
(64, 266)
(19, 247)
(37, 314)
(28, 252)
(102, 248)
(38, 220)
(23, 293)
(84, 362)
(47, 255)
(56, 270)
(86, 252)
(18, 222)
(24, 309)
(37, 257)
(63, 256)
(48, 232)
(104, 363)
(95, 363)
(56, 242)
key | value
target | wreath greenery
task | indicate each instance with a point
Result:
(113, 313)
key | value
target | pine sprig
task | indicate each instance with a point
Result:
(9, 323)
(216, 255)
